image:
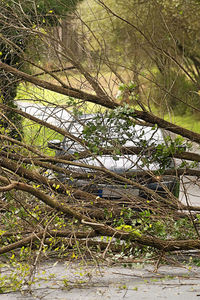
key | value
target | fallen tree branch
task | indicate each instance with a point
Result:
(8, 187)
(51, 163)
(35, 176)
(38, 235)
(55, 71)
(53, 87)
(103, 101)
(102, 229)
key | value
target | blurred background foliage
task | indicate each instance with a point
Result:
(157, 40)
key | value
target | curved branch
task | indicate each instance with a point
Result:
(8, 187)
(164, 245)
(38, 235)
(56, 88)
(35, 176)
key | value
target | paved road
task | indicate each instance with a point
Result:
(75, 282)
(190, 190)
(53, 115)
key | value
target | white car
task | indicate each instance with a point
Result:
(106, 141)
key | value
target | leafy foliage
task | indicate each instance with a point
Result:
(13, 42)
(167, 31)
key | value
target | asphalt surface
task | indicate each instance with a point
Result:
(75, 282)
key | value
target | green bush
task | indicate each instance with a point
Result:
(175, 92)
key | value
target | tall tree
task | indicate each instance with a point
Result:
(15, 16)
(155, 39)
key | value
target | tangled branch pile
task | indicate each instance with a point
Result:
(65, 201)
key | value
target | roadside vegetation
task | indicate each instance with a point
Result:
(122, 70)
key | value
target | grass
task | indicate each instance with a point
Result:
(33, 94)
(38, 136)
(190, 122)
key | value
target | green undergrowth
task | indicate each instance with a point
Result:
(191, 122)
(38, 136)
(33, 94)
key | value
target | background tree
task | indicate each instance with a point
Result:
(14, 41)
(158, 41)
